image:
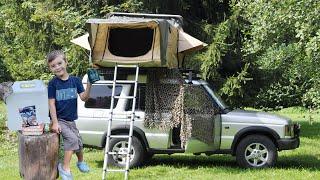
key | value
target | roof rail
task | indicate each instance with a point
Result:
(144, 15)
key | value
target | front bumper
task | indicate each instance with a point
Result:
(292, 143)
(286, 144)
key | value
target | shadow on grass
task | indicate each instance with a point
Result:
(306, 162)
(188, 161)
(309, 162)
(310, 131)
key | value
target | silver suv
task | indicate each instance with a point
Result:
(253, 137)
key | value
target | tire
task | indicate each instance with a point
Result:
(120, 145)
(256, 151)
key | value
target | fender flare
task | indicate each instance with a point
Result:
(254, 130)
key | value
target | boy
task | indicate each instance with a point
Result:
(62, 94)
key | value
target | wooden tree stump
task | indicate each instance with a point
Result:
(38, 156)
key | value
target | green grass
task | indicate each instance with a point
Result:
(302, 163)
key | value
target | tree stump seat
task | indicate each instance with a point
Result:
(38, 156)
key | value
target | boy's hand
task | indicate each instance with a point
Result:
(56, 128)
(93, 75)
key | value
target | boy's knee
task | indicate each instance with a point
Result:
(71, 143)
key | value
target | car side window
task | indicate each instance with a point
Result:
(141, 98)
(100, 96)
(198, 100)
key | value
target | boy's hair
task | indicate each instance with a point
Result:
(54, 54)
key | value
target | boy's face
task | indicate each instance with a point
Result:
(58, 66)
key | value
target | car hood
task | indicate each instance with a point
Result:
(244, 116)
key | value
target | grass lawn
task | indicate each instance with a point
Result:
(302, 163)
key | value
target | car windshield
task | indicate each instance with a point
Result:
(216, 97)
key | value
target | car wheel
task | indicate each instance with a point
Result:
(256, 151)
(120, 145)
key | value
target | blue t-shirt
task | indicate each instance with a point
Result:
(65, 92)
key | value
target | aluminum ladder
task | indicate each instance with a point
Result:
(130, 119)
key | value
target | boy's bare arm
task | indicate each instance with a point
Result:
(53, 113)
(84, 96)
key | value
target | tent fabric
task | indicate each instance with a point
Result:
(163, 26)
(82, 41)
(169, 43)
(188, 43)
(99, 42)
(172, 48)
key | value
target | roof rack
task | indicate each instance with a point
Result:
(190, 74)
(142, 15)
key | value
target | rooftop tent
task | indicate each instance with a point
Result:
(131, 41)
(152, 40)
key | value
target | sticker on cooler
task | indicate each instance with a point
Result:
(28, 115)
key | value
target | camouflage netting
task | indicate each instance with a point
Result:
(170, 103)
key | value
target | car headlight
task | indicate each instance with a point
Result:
(289, 131)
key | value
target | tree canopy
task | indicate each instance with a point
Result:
(261, 53)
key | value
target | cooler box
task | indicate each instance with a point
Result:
(27, 105)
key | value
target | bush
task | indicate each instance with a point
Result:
(311, 98)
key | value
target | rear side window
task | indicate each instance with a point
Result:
(100, 96)
(141, 98)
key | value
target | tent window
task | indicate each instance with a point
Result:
(128, 42)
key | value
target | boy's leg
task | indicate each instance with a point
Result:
(66, 160)
(80, 156)
(70, 140)
(83, 167)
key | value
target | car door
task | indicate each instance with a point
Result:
(157, 139)
(206, 121)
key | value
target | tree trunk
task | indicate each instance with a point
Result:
(38, 156)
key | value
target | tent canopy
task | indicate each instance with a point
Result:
(126, 38)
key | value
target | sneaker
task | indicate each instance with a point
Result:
(64, 174)
(83, 167)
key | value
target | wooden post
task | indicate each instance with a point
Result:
(38, 156)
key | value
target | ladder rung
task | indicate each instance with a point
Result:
(121, 120)
(116, 170)
(117, 81)
(127, 66)
(125, 81)
(119, 136)
(129, 113)
(117, 153)
(124, 97)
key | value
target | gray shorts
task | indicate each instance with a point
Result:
(71, 137)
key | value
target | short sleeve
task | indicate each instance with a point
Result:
(51, 91)
(80, 87)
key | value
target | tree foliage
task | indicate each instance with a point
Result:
(260, 53)
(282, 41)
